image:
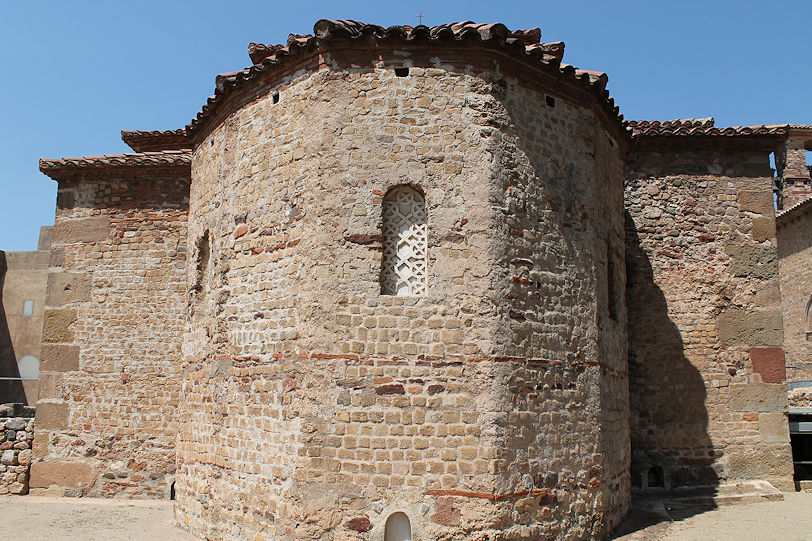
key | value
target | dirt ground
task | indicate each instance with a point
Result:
(787, 520)
(41, 518)
(30, 518)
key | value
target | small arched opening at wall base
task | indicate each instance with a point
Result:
(398, 528)
(655, 477)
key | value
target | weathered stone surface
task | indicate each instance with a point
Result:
(57, 325)
(741, 327)
(761, 461)
(758, 201)
(52, 415)
(753, 260)
(67, 287)
(445, 512)
(769, 363)
(359, 524)
(60, 358)
(757, 397)
(92, 229)
(763, 228)
(773, 427)
(64, 474)
(24, 457)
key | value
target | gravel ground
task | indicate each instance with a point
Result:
(32, 518)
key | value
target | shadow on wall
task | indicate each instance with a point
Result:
(11, 390)
(668, 419)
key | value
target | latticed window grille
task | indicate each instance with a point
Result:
(405, 245)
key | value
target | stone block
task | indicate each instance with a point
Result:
(56, 327)
(739, 327)
(39, 449)
(758, 201)
(761, 461)
(24, 458)
(92, 229)
(59, 358)
(773, 427)
(64, 474)
(50, 385)
(763, 228)
(52, 415)
(767, 295)
(67, 287)
(753, 260)
(770, 363)
(757, 397)
(58, 256)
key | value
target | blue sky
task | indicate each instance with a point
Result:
(76, 73)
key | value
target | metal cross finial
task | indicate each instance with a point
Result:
(420, 18)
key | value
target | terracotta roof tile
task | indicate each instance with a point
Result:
(168, 158)
(522, 43)
(795, 210)
(702, 127)
(156, 140)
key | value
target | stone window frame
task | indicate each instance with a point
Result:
(404, 231)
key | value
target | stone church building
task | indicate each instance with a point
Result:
(423, 283)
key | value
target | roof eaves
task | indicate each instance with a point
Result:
(56, 168)
(795, 210)
(267, 57)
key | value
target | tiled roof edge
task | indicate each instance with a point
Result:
(521, 43)
(168, 158)
(155, 140)
(701, 127)
(796, 209)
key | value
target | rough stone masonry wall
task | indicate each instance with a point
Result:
(795, 267)
(706, 376)
(557, 181)
(110, 384)
(313, 406)
(16, 437)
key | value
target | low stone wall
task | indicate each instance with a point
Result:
(16, 435)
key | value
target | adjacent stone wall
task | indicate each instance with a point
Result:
(313, 406)
(110, 383)
(25, 277)
(795, 266)
(707, 387)
(16, 437)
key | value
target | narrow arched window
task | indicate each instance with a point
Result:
(202, 284)
(397, 528)
(808, 319)
(405, 245)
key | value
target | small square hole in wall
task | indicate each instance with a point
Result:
(550, 101)
(402, 72)
(276, 97)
